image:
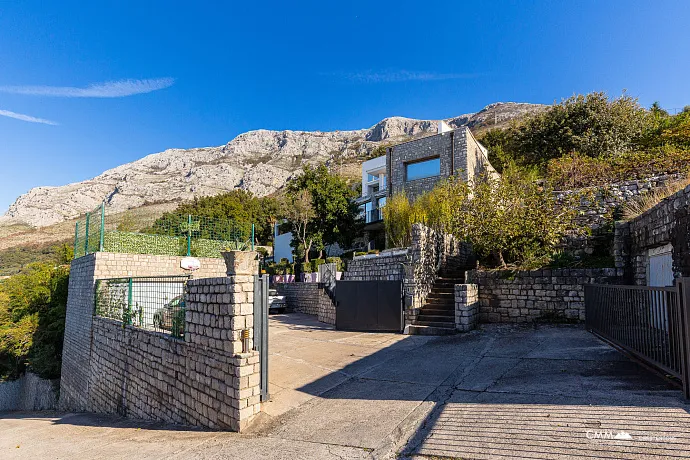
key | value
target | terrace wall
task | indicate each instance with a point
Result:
(203, 380)
(507, 296)
(666, 223)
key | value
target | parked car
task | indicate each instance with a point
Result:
(276, 303)
(171, 317)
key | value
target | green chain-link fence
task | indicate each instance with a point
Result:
(153, 303)
(172, 234)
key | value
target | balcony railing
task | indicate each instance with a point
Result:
(374, 215)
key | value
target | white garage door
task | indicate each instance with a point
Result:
(660, 266)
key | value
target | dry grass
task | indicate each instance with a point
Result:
(644, 203)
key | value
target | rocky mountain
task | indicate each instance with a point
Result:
(260, 161)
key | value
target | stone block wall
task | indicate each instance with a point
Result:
(205, 380)
(80, 306)
(466, 307)
(666, 223)
(29, 393)
(387, 265)
(514, 297)
(308, 298)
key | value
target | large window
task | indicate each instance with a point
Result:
(422, 169)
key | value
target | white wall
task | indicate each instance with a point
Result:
(281, 245)
(378, 163)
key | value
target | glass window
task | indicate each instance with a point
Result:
(381, 203)
(383, 182)
(422, 169)
(371, 177)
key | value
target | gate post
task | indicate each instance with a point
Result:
(684, 308)
(261, 329)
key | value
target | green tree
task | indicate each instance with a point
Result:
(299, 211)
(591, 124)
(32, 320)
(335, 219)
(237, 205)
(508, 220)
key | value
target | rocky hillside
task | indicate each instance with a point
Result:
(259, 161)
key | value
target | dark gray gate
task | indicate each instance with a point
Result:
(369, 306)
(261, 329)
(650, 323)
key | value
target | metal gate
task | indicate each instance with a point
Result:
(369, 306)
(650, 323)
(261, 329)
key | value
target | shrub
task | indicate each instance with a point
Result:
(591, 124)
(576, 170)
(32, 320)
(337, 261)
(508, 220)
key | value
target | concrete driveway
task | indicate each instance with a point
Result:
(502, 392)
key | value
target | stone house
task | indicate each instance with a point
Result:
(415, 167)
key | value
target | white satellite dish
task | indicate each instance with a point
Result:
(190, 263)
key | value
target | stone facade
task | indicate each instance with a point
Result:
(514, 297)
(29, 393)
(466, 307)
(666, 223)
(206, 380)
(308, 298)
(457, 150)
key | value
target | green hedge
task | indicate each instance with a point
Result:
(143, 243)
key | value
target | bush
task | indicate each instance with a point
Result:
(508, 220)
(337, 261)
(32, 321)
(576, 170)
(591, 124)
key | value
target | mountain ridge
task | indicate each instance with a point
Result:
(260, 161)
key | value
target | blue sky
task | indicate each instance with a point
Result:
(196, 74)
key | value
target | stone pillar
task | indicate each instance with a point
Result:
(218, 311)
(466, 307)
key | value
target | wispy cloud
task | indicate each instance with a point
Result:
(29, 118)
(390, 76)
(119, 88)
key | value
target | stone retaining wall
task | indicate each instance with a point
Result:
(308, 298)
(29, 393)
(387, 265)
(80, 304)
(550, 295)
(204, 380)
(666, 223)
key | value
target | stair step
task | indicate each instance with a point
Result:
(447, 324)
(415, 329)
(440, 303)
(428, 311)
(435, 319)
(440, 295)
(443, 290)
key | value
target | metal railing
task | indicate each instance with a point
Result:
(648, 322)
(154, 303)
(374, 215)
(171, 234)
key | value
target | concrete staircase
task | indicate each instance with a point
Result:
(437, 316)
